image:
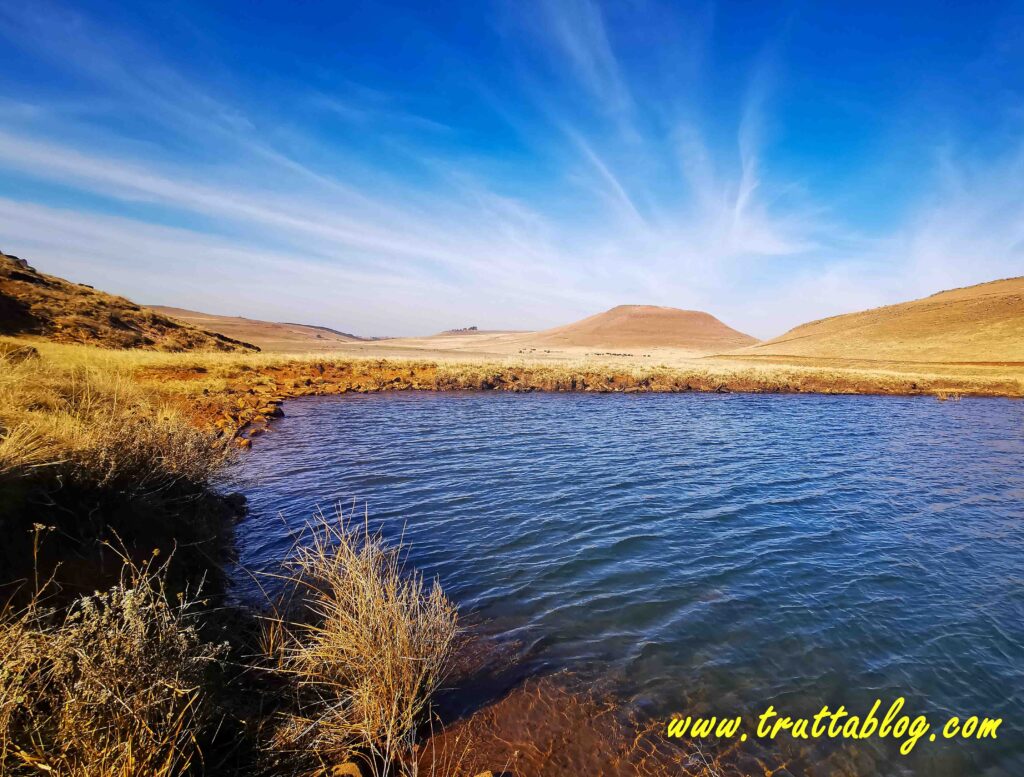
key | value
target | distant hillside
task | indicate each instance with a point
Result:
(32, 303)
(647, 326)
(268, 335)
(983, 323)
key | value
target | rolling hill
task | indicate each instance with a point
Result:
(32, 303)
(268, 335)
(647, 326)
(976, 324)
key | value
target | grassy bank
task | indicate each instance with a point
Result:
(227, 392)
(118, 656)
(97, 441)
(88, 450)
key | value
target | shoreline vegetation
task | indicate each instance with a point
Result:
(121, 654)
(337, 673)
(239, 393)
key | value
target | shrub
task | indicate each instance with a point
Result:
(113, 685)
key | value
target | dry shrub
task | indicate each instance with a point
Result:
(365, 646)
(100, 427)
(113, 685)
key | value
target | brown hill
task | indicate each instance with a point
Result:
(647, 326)
(983, 323)
(32, 303)
(268, 335)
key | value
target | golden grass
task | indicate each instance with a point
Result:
(365, 644)
(216, 371)
(93, 421)
(982, 323)
(112, 686)
(121, 683)
(195, 375)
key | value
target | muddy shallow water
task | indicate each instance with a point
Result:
(699, 553)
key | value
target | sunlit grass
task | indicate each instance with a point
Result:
(87, 416)
(145, 420)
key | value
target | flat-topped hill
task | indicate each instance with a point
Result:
(648, 326)
(983, 323)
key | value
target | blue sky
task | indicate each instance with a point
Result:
(402, 168)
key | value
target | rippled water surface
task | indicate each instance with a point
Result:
(700, 551)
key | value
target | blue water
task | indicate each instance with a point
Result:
(709, 553)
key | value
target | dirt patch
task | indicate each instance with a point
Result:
(544, 729)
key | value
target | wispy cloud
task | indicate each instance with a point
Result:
(610, 185)
(578, 27)
(969, 229)
(164, 181)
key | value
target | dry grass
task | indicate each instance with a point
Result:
(120, 683)
(111, 686)
(98, 425)
(364, 644)
(217, 382)
(982, 323)
(149, 404)
(87, 448)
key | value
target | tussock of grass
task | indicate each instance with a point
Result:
(113, 685)
(364, 645)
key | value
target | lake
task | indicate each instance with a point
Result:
(698, 552)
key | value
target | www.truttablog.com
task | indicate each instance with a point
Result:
(840, 724)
